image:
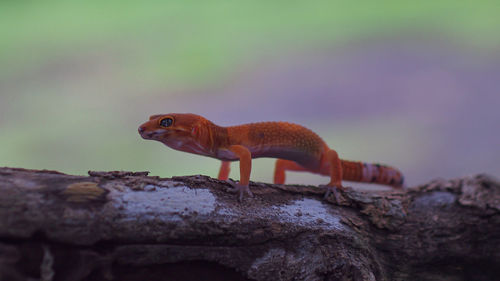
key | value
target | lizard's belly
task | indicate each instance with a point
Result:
(305, 159)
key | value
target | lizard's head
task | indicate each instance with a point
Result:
(172, 129)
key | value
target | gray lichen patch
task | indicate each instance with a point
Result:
(173, 203)
(309, 212)
(436, 199)
(26, 183)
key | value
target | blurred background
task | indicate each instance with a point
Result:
(413, 85)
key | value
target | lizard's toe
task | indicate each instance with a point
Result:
(240, 189)
(332, 189)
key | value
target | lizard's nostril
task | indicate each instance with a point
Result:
(141, 129)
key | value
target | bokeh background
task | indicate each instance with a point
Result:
(411, 84)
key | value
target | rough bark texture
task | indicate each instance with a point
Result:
(128, 226)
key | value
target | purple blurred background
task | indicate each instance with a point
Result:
(416, 87)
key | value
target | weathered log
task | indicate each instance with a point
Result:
(129, 226)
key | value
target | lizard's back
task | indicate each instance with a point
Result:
(279, 140)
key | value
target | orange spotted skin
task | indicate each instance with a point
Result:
(296, 147)
(279, 140)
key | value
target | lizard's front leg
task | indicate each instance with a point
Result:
(245, 168)
(225, 168)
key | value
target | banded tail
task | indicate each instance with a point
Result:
(371, 173)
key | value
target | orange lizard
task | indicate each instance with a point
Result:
(296, 147)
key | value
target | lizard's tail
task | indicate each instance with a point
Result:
(372, 173)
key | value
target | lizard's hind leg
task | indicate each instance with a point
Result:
(335, 174)
(335, 168)
(282, 166)
(332, 164)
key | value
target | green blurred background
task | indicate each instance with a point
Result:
(414, 85)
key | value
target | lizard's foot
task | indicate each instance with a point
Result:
(240, 189)
(332, 189)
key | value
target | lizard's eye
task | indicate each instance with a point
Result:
(167, 122)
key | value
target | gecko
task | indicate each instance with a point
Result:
(296, 148)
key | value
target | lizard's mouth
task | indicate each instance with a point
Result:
(152, 134)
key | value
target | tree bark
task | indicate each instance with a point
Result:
(130, 226)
